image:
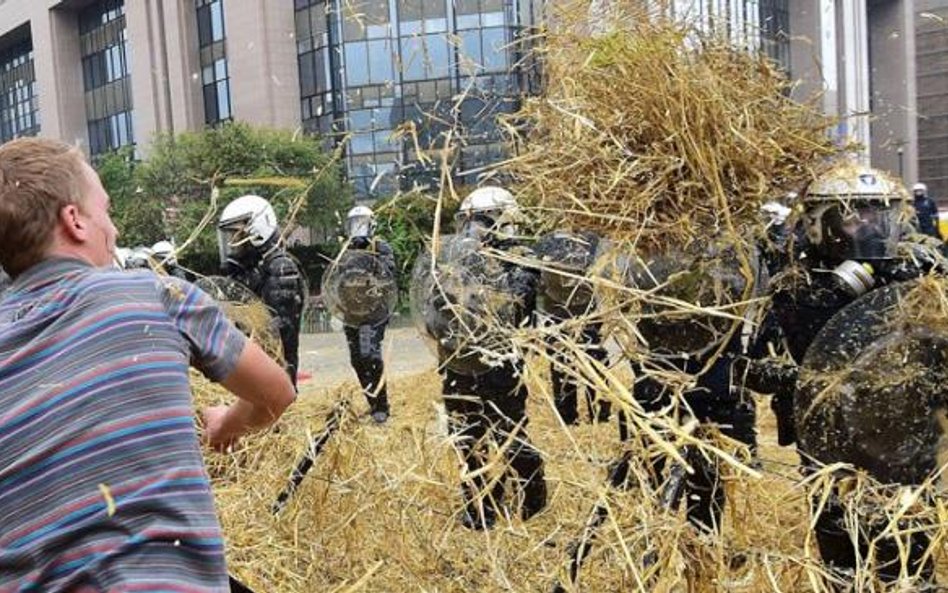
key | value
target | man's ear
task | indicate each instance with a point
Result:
(72, 224)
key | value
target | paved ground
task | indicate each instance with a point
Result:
(325, 356)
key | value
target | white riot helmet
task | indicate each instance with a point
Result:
(246, 225)
(163, 251)
(853, 212)
(360, 222)
(121, 257)
(488, 209)
(775, 213)
(139, 258)
(920, 189)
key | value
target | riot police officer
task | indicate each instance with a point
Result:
(252, 253)
(482, 371)
(565, 299)
(850, 248)
(926, 211)
(702, 348)
(365, 339)
(138, 258)
(165, 255)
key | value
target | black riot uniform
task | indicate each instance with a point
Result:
(566, 388)
(706, 350)
(365, 341)
(854, 253)
(803, 306)
(563, 300)
(926, 213)
(276, 277)
(491, 403)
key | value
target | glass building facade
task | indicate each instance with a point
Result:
(19, 103)
(775, 31)
(390, 78)
(106, 77)
(215, 78)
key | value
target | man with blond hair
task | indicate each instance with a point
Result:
(102, 483)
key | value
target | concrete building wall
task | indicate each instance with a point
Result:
(184, 69)
(894, 128)
(261, 53)
(931, 36)
(164, 64)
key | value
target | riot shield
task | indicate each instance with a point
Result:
(694, 297)
(359, 289)
(246, 311)
(566, 258)
(464, 303)
(871, 389)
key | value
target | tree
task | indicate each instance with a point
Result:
(169, 193)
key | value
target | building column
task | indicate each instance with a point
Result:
(854, 69)
(149, 77)
(813, 53)
(56, 52)
(894, 125)
(184, 67)
(262, 60)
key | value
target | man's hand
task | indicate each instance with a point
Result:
(264, 392)
(217, 433)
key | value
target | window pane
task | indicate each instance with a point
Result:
(217, 22)
(204, 25)
(307, 76)
(467, 6)
(360, 120)
(223, 100)
(409, 10)
(435, 9)
(494, 50)
(492, 19)
(437, 63)
(470, 52)
(303, 30)
(357, 64)
(220, 69)
(492, 6)
(380, 61)
(413, 58)
(210, 104)
(361, 143)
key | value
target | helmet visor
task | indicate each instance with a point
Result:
(233, 242)
(861, 230)
(359, 226)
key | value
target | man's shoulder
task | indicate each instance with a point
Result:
(133, 284)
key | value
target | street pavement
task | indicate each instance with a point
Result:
(324, 357)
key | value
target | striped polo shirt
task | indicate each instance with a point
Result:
(102, 482)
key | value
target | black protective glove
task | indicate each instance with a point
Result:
(779, 380)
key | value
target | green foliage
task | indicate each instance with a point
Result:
(139, 221)
(169, 193)
(406, 222)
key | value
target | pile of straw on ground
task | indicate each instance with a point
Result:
(379, 512)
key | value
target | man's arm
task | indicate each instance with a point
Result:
(264, 391)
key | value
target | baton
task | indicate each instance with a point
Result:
(333, 421)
